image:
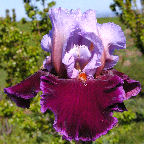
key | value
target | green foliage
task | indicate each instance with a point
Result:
(8, 18)
(40, 20)
(32, 123)
(21, 56)
(124, 134)
(132, 17)
(17, 58)
(125, 117)
(13, 15)
(23, 20)
(29, 10)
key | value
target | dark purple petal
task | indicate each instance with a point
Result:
(82, 110)
(118, 107)
(24, 103)
(25, 90)
(131, 87)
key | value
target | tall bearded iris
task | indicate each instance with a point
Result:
(78, 82)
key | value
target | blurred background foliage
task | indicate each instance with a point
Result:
(40, 19)
(132, 17)
(21, 56)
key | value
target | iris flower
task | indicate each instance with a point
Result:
(78, 81)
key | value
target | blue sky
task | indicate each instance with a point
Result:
(101, 6)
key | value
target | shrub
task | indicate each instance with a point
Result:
(132, 17)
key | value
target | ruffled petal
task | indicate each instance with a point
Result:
(84, 48)
(83, 111)
(63, 23)
(118, 107)
(46, 42)
(69, 62)
(131, 87)
(96, 49)
(47, 64)
(113, 38)
(23, 92)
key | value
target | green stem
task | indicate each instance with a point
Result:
(81, 142)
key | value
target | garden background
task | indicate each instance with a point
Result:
(21, 56)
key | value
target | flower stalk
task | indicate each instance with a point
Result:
(82, 142)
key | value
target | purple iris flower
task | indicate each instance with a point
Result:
(78, 82)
